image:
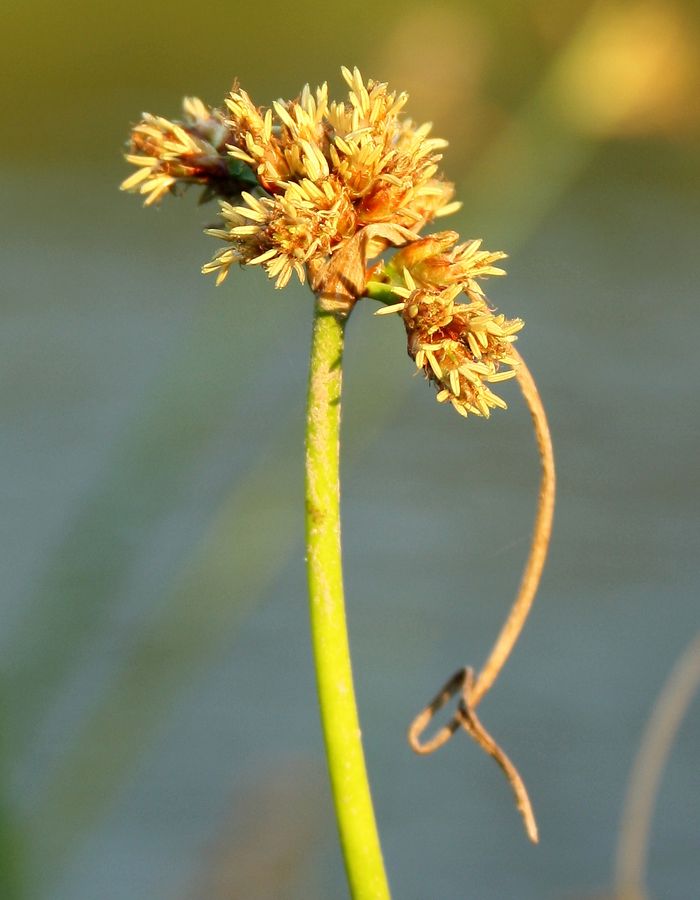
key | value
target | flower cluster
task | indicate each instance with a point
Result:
(321, 173)
(317, 188)
(461, 347)
(192, 151)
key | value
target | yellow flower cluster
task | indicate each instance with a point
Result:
(317, 188)
(319, 173)
(329, 169)
(461, 347)
(189, 152)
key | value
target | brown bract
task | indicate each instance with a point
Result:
(340, 280)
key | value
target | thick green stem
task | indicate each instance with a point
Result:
(341, 727)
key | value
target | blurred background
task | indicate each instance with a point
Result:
(159, 732)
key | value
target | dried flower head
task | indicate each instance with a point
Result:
(462, 348)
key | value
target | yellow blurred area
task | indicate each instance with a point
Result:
(611, 68)
(448, 85)
(632, 69)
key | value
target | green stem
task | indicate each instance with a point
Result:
(341, 728)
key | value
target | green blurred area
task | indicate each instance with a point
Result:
(155, 662)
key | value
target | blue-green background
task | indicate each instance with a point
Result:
(159, 731)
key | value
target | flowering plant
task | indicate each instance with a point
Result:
(319, 190)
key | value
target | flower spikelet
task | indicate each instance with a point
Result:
(192, 151)
(462, 347)
(435, 261)
(283, 233)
